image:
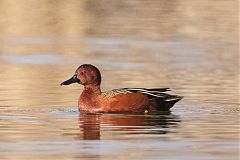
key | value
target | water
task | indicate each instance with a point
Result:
(189, 46)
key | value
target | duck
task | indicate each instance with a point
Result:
(122, 100)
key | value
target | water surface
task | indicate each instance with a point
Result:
(189, 46)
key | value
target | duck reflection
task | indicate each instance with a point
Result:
(111, 126)
(89, 125)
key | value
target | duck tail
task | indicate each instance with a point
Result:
(165, 103)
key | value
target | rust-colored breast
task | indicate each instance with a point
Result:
(88, 104)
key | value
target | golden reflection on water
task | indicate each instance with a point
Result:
(189, 46)
(53, 21)
(136, 19)
(96, 127)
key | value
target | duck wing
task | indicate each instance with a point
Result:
(152, 92)
(161, 101)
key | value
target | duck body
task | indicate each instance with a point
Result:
(123, 100)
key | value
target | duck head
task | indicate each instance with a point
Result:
(86, 74)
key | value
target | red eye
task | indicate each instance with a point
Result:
(82, 72)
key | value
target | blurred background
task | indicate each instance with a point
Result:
(178, 44)
(191, 46)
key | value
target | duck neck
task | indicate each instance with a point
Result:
(92, 89)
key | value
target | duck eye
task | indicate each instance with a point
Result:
(83, 72)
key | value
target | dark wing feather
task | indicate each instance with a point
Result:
(163, 100)
(152, 90)
(155, 93)
(151, 93)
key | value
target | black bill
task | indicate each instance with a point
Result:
(74, 79)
